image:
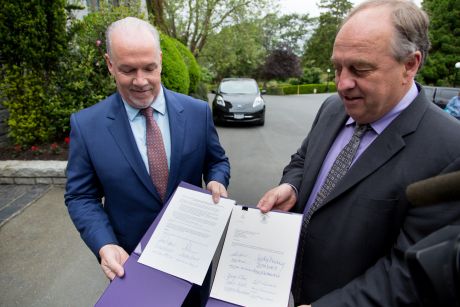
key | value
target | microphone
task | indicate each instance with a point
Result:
(441, 188)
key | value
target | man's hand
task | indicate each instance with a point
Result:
(304, 306)
(112, 259)
(283, 197)
(217, 189)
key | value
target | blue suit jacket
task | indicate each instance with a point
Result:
(109, 193)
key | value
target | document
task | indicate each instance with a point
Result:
(187, 235)
(258, 257)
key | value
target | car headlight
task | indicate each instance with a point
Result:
(220, 101)
(258, 102)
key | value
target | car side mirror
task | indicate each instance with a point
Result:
(213, 91)
(263, 92)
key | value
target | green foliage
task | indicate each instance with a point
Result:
(174, 74)
(201, 92)
(25, 98)
(33, 36)
(51, 70)
(445, 40)
(82, 78)
(236, 51)
(194, 70)
(318, 49)
(32, 33)
(284, 29)
(308, 89)
(192, 21)
(311, 75)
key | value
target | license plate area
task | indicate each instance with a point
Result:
(238, 116)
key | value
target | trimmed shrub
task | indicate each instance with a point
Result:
(82, 78)
(50, 71)
(194, 70)
(27, 103)
(308, 89)
(174, 74)
(33, 36)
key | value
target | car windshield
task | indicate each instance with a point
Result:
(239, 87)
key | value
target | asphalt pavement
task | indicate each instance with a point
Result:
(44, 262)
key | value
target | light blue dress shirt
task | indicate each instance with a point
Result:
(137, 122)
(345, 135)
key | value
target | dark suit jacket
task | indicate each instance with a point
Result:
(355, 243)
(104, 162)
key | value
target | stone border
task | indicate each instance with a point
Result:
(33, 172)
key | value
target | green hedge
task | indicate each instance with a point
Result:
(307, 89)
(174, 74)
(46, 77)
(194, 70)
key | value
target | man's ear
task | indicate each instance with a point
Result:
(412, 65)
(109, 64)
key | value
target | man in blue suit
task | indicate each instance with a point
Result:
(110, 195)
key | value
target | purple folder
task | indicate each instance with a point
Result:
(145, 286)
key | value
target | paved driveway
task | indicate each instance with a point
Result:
(43, 261)
(258, 154)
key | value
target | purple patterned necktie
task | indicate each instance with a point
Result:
(158, 163)
(338, 169)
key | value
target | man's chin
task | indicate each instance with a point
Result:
(141, 103)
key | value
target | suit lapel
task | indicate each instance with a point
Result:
(122, 134)
(177, 130)
(384, 147)
(325, 132)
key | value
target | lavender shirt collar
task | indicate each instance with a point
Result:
(346, 133)
(379, 125)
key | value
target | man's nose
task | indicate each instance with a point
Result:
(140, 79)
(344, 80)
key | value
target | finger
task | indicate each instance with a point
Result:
(217, 190)
(118, 270)
(223, 191)
(267, 202)
(215, 195)
(108, 272)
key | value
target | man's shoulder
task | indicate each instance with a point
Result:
(101, 105)
(332, 103)
(183, 100)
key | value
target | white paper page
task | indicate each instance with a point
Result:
(187, 235)
(258, 257)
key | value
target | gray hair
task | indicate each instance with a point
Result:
(131, 22)
(410, 22)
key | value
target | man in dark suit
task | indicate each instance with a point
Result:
(112, 192)
(358, 222)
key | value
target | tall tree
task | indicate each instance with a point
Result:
(281, 63)
(445, 42)
(192, 21)
(236, 51)
(318, 49)
(291, 29)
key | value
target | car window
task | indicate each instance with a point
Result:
(239, 87)
(447, 93)
(429, 92)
